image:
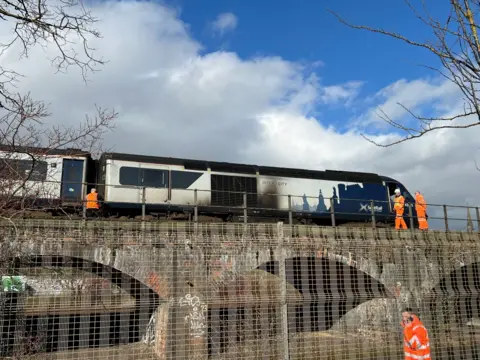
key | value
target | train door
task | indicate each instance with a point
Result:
(409, 201)
(156, 183)
(391, 186)
(72, 180)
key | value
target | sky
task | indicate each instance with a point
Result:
(277, 83)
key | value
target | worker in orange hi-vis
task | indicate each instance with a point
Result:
(416, 343)
(421, 209)
(399, 208)
(92, 203)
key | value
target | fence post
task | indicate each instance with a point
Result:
(410, 215)
(445, 216)
(372, 210)
(195, 211)
(477, 211)
(283, 296)
(84, 202)
(290, 215)
(174, 320)
(332, 212)
(195, 205)
(144, 200)
(470, 226)
(245, 207)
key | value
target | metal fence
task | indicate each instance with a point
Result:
(120, 290)
(289, 208)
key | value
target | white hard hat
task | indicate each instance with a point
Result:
(397, 191)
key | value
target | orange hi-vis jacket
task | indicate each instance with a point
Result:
(420, 204)
(399, 205)
(92, 201)
(421, 208)
(416, 344)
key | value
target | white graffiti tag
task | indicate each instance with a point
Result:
(196, 317)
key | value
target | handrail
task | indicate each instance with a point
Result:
(333, 208)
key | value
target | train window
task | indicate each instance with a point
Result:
(130, 176)
(391, 188)
(143, 177)
(24, 169)
(405, 193)
(184, 179)
(155, 178)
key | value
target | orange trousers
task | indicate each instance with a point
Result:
(399, 222)
(422, 220)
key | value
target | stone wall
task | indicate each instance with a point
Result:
(229, 289)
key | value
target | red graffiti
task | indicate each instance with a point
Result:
(158, 284)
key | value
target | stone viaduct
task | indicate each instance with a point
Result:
(188, 279)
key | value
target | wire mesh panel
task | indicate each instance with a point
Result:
(129, 290)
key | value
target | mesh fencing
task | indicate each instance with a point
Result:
(126, 290)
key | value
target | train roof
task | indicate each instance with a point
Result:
(44, 151)
(227, 167)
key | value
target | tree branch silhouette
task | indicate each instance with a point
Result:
(455, 43)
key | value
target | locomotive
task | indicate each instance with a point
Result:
(131, 184)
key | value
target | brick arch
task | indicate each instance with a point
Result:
(146, 299)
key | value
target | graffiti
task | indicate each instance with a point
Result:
(158, 284)
(197, 316)
(13, 283)
(149, 337)
(218, 266)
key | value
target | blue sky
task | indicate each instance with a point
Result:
(303, 31)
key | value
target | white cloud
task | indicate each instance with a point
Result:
(345, 92)
(440, 96)
(225, 22)
(176, 101)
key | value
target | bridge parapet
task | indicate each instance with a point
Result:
(195, 269)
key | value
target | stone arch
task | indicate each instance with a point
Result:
(127, 327)
(329, 288)
(245, 309)
(321, 290)
(457, 296)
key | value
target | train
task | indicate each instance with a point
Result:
(131, 185)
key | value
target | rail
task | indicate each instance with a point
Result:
(244, 205)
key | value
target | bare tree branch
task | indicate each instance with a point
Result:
(456, 44)
(26, 138)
